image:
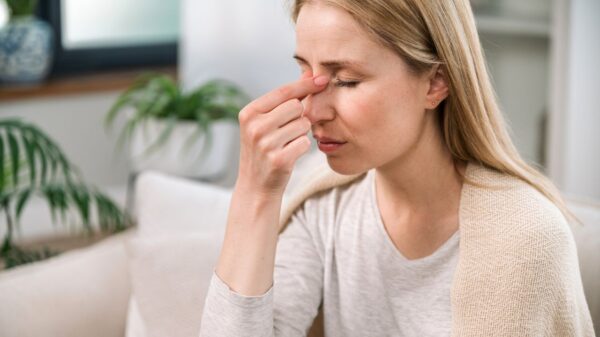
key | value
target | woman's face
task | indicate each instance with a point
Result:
(373, 102)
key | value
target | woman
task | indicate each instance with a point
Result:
(426, 222)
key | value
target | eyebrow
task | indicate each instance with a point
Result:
(334, 65)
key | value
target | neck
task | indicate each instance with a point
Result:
(423, 185)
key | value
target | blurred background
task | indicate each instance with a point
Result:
(83, 55)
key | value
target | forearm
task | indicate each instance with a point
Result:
(297, 276)
(247, 257)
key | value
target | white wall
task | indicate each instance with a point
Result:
(250, 42)
(583, 123)
(575, 151)
(519, 69)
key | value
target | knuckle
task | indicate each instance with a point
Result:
(254, 133)
(303, 124)
(276, 161)
(263, 145)
(285, 91)
(244, 116)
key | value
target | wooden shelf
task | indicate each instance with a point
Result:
(81, 83)
(518, 27)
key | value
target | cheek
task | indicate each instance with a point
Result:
(368, 111)
(360, 108)
(375, 115)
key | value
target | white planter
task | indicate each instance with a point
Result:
(181, 157)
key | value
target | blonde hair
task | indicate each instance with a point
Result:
(428, 33)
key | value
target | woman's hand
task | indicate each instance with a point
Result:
(273, 135)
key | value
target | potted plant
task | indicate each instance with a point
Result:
(26, 45)
(31, 164)
(185, 134)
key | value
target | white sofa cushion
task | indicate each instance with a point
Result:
(82, 292)
(165, 205)
(170, 277)
(181, 224)
(587, 238)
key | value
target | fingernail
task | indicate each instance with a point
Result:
(321, 80)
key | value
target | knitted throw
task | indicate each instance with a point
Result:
(518, 271)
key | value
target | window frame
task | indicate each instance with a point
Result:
(82, 60)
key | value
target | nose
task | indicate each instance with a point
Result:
(318, 107)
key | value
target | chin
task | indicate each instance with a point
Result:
(342, 167)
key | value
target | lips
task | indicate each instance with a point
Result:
(327, 140)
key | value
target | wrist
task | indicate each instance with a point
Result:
(243, 188)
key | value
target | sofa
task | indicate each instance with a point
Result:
(151, 280)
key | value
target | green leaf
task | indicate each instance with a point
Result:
(122, 101)
(54, 154)
(127, 131)
(14, 156)
(127, 98)
(43, 161)
(2, 163)
(204, 128)
(61, 197)
(171, 122)
(21, 201)
(80, 196)
(48, 194)
(30, 153)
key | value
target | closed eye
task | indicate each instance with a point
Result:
(348, 84)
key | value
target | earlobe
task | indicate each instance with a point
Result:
(438, 87)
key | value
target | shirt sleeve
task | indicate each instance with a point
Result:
(288, 308)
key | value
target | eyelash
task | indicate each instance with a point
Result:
(348, 84)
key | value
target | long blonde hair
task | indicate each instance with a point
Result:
(428, 33)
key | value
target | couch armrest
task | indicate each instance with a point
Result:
(83, 292)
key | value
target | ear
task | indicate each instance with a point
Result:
(438, 87)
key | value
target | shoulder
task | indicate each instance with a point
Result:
(517, 243)
(513, 211)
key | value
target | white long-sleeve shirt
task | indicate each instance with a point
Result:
(336, 251)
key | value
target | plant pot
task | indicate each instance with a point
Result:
(25, 51)
(180, 156)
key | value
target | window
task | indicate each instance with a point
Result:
(107, 34)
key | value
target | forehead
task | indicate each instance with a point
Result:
(326, 31)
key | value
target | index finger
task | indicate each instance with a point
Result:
(299, 89)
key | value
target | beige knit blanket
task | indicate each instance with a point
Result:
(518, 271)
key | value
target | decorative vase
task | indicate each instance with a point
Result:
(180, 156)
(25, 51)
